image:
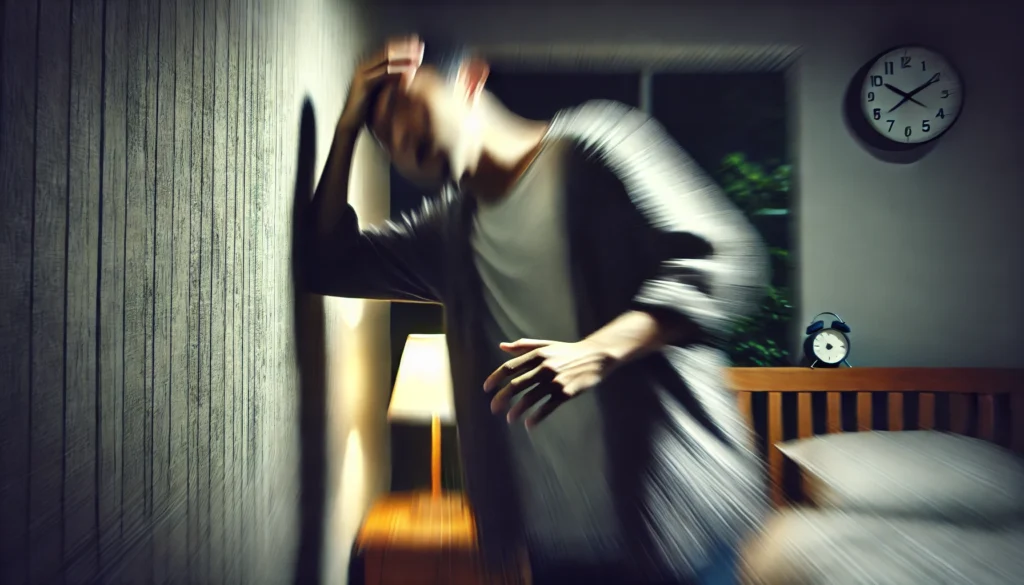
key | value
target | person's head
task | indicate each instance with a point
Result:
(431, 128)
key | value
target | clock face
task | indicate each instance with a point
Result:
(830, 346)
(911, 95)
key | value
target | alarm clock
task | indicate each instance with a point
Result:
(827, 347)
(910, 95)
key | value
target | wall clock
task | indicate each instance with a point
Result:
(910, 95)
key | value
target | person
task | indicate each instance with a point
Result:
(589, 273)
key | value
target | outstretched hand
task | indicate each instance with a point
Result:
(543, 369)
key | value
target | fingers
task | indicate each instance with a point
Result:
(388, 70)
(510, 368)
(410, 48)
(537, 375)
(524, 345)
(406, 51)
(528, 401)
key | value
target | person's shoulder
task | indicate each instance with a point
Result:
(609, 131)
(599, 118)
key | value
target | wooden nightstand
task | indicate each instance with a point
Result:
(411, 539)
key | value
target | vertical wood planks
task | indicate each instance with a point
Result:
(195, 452)
(152, 130)
(49, 286)
(245, 479)
(80, 477)
(180, 309)
(136, 269)
(111, 285)
(230, 95)
(260, 290)
(219, 178)
(245, 528)
(147, 430)
(206, 300)
(18, 60)
(274, 285)
(238, 185)
(163, 291)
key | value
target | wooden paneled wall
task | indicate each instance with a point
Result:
(148, 406)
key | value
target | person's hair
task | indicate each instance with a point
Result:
(445, 58)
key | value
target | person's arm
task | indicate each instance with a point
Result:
(690, 298)
(396, 261)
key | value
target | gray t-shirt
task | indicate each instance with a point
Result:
(520, 249)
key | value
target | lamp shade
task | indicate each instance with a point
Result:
(423, 387)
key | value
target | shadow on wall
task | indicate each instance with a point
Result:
(312, 367)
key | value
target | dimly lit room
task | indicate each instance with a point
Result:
(456, 293)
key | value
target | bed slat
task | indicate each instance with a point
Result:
(835, 412)
(926, 411)
(986, 417)
(895, 411)
(804, 415)
(745, 401)
(958, 413)
(1017, 422)
(775, 436)
(864, 422)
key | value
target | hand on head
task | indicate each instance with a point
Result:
(397, 61)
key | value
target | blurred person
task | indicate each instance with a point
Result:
(589, 273)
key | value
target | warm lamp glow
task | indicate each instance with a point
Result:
(351, 311)
(423, 387)
(423, 392)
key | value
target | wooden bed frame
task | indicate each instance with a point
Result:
(984, 403)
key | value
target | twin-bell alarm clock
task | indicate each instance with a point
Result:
(827, 347)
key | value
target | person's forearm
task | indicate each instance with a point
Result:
(635, 334)
(331, 195)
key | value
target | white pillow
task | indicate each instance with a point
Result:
(912, 473)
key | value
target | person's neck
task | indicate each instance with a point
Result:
(509, 145)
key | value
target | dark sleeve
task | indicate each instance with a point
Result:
(726, 278)
(398, 261)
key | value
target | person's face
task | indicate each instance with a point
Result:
(425, 126)
(415, 124)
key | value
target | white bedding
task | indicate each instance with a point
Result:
(802, 546)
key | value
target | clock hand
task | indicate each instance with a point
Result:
(904, 94)
(910, 95)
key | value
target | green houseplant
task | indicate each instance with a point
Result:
(762, 192)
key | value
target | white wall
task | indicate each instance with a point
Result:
(924, 259)
(336, 34)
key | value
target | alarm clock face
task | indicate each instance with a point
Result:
(830, 346)
(911, 95)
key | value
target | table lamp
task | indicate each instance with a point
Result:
(423, 392)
